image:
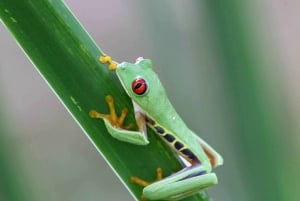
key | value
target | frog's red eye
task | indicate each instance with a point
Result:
(139, 86)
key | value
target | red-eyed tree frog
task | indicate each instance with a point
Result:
(153, 108)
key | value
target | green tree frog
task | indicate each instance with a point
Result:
(153, 108)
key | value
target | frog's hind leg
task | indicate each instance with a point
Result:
(181, 184)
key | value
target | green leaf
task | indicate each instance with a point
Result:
(67, 58)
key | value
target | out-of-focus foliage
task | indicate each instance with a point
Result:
(13, 179)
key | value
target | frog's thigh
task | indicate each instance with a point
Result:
(175, 190)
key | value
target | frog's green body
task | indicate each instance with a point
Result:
(154, 108)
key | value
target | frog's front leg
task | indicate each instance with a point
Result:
(115, 127)
(179, 185)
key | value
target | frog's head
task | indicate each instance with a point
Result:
(139, 80)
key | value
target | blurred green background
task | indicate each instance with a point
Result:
(231, 69)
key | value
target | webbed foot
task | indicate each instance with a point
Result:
(107, 59)
(112, 117)
(143, 183)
